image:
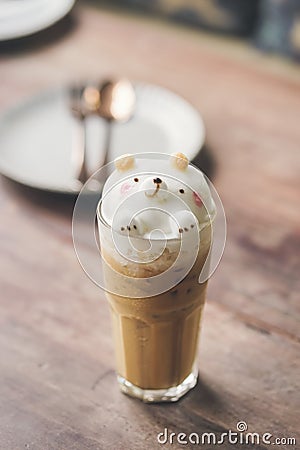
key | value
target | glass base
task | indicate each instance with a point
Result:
(171, 394)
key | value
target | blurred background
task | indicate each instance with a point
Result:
(65, 45)
(272, 25)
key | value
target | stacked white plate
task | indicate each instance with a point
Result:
(20, 18)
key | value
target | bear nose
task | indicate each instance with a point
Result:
(155, 188)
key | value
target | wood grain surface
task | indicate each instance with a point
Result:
(57, 383)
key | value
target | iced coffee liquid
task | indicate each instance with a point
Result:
(155, 233)
(156, 338)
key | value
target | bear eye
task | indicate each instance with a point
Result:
(136, 180)
(181, 191)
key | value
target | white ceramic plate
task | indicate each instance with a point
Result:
(20, 18)
(36, 136)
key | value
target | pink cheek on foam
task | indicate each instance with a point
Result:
(125, 188)
(197, 199)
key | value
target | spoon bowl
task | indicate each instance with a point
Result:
(117, 100)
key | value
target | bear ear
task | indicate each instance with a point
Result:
(179, 161)
(124, 163)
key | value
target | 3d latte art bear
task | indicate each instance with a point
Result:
(167, 200)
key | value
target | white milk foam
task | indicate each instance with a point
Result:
(157, 198)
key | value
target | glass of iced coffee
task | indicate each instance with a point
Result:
(154, 222)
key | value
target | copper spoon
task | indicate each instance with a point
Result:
(113, 101)
(117, 103)
(84, 100)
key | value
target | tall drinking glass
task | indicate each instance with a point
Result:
(156, 302)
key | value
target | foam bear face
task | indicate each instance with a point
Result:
(143, 196)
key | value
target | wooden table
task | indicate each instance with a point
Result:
(57, 382)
